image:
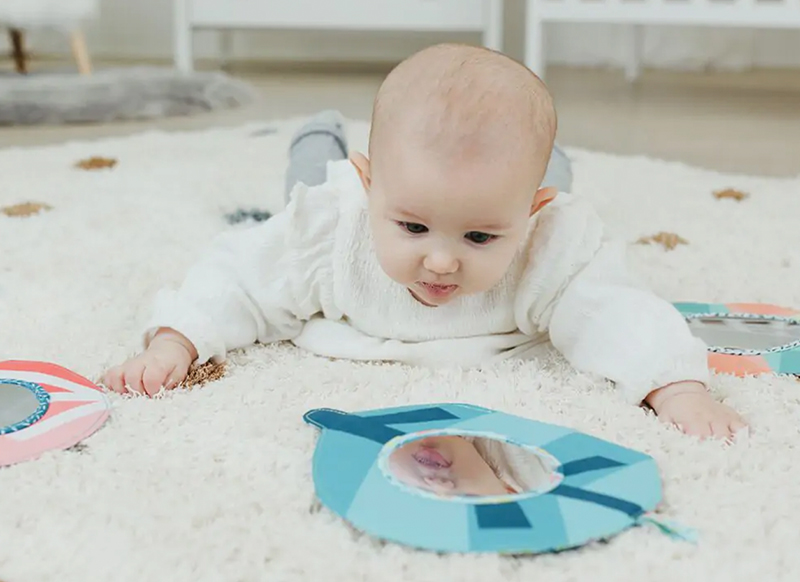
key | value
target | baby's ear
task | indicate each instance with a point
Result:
(361, 164)
(542, 198)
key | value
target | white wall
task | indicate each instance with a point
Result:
(142, 28)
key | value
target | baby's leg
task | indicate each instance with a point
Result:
(319, 141)
(559, 171)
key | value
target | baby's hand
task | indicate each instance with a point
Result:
(692, 409)
(164, 364)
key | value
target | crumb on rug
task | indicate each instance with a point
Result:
(731, 193)
(669, 240)
(96, 163)
(25, 209)
(203, 374)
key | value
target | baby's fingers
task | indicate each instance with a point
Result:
(113, 380)
(176, 376)
(697, 428)
(154, 378)
(133, 377)
(720, 429)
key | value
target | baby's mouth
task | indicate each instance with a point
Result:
(431, 458)
(437, 290)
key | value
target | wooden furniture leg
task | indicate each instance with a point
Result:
(80, 52)
(18, 50)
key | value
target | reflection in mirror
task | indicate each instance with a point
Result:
(453, 465)
(745, 333)
(16, 404)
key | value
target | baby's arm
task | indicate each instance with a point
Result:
(246, 288)
(606, 324)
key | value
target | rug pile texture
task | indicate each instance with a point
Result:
(215, 483)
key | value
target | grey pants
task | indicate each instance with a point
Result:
(323, 139)
(559, 171)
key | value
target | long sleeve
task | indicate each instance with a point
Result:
(256, 284)
(605, 324)
(578, 289)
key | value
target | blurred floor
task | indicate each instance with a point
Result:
(733, 122)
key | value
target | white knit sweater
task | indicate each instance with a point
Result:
(310, 275)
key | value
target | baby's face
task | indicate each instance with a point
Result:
(445, 229)
(445, 465)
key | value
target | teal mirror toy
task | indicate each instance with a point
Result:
(429, 477)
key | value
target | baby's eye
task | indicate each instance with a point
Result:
(479, 238)
(413, 227)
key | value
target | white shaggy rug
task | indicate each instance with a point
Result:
(214, 484)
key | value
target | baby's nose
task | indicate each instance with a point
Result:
(441, 263)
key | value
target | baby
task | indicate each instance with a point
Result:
(441, 246)
(450, 466)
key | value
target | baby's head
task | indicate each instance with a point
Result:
(446, 466)
(460, 142)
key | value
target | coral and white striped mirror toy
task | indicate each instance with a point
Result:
(747, 338)
(45, 407)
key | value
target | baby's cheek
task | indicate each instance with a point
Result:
(395, 258)
(490, 268)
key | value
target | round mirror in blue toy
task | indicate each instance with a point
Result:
(467, 467)
(461, 478)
